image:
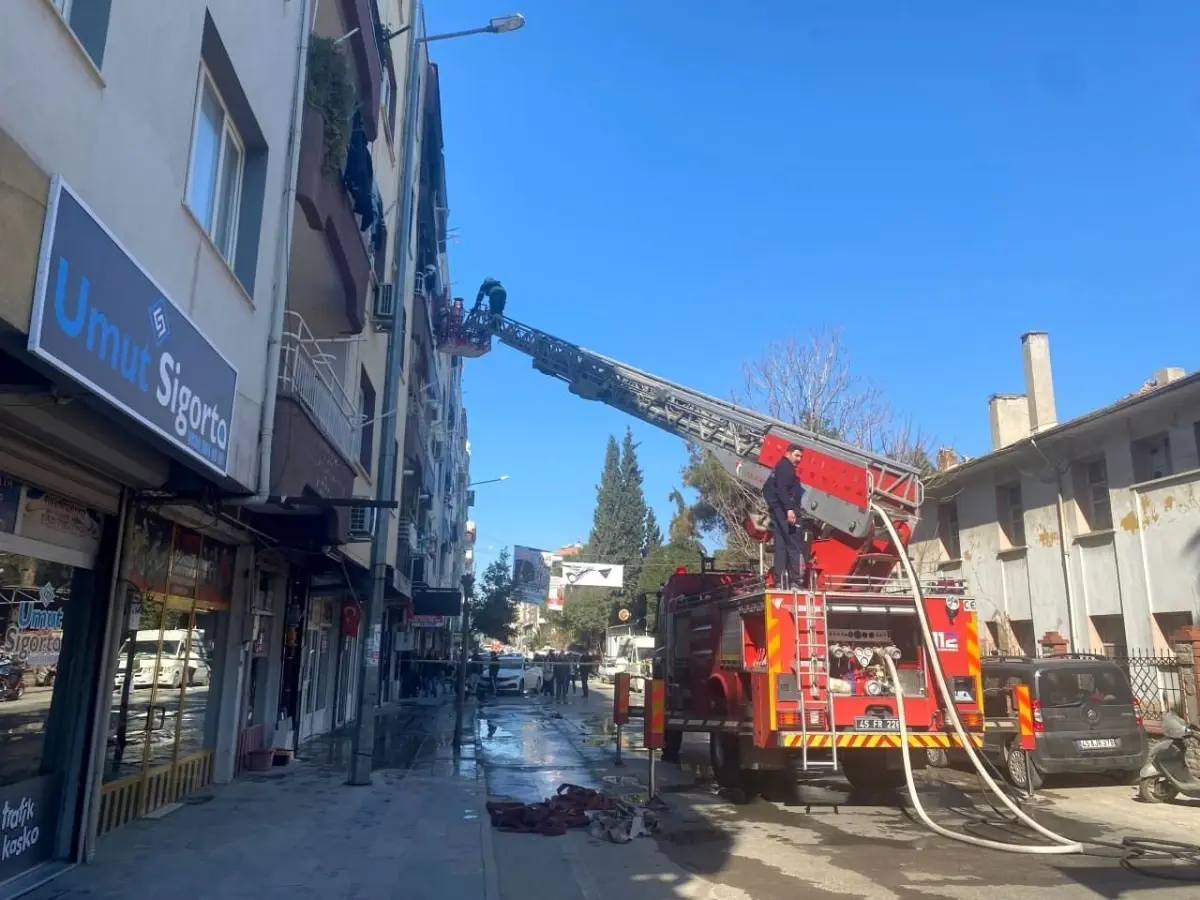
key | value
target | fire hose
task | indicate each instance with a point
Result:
(1129, 850)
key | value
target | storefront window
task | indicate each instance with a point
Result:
(32, 618)
(178, 589)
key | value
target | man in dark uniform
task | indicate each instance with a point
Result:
(782, 492)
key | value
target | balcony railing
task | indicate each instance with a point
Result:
(306, 376)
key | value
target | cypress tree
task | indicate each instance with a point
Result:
(654, 536)
(608, 500)
(630, 520)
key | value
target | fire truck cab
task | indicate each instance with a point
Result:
(790, 681)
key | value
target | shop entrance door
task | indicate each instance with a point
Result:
(164, 713)
(315, 716)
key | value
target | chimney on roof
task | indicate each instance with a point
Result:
(1039, 381)
(1167, 375)
(1009, 415)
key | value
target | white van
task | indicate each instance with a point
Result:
(176, 664)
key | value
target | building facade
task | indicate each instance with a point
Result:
(200, 249)
(1088, 528)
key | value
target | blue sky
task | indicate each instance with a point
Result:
(675, 184)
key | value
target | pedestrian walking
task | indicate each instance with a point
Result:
(562, 677)
(585, 669)
(548, 676)
(494, 670)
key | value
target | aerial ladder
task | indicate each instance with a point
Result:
(840, 480)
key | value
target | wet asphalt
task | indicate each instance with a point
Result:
(824, 841)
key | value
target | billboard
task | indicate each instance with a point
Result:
(558, 593)
(531, 575)
(602, 575)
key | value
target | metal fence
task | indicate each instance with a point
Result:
(1154, 678)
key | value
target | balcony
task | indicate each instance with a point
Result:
(327, 209)
(306, 377)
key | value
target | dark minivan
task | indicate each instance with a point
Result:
(1085, 716)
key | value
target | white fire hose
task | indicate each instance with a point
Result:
(1129, 849)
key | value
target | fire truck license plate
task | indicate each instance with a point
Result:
(872, 723)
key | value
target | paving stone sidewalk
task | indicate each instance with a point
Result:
(419, 831)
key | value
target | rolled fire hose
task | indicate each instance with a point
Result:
(1130, 848)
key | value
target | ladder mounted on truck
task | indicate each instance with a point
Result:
(840, 480)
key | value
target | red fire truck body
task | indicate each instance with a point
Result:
(789, 680)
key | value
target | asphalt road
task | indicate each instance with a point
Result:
(829, 844)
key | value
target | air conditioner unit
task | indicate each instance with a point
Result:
(362, 523)
(384, 312)
(407, 533)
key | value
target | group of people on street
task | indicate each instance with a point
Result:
(564, 674)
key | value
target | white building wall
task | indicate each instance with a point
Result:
(1134, 582)
(121, 135)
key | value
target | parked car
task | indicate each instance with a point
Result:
(1085, 715)
(517, 675)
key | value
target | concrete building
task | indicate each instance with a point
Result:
(143, 193)
(1089, 528)
(199, 204)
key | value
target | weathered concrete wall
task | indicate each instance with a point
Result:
(1148, 563)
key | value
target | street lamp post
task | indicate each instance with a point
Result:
(489, 481)
(363, 739)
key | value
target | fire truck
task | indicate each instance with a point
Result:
(788, 681)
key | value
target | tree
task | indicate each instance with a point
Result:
(608, 498)
(629, 531)
(654, 536)
(812, 384)
(494, 606)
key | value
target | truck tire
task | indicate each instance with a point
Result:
(866, 771)
(725, 756)
(672, 744)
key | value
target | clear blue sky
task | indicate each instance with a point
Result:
(675, 183)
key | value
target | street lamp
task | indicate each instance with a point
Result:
(498, 25)
(489, 481)
(362, 743)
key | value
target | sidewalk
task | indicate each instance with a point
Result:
(417, 832)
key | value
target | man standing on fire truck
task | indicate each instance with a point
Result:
(782, 492)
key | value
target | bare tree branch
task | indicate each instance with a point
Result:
(810, 383)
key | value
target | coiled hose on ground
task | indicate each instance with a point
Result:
(1017, 822)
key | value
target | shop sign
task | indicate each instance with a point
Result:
(427, 621)
(28, 811)
(35, 638)
(101, 319)
(53, 520)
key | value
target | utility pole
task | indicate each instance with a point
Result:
(362, 744)
(460, 683)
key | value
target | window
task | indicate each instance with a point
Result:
(1091, 494)
(366, 409)
(948, 532)
(214, 190)
(1011, 514)
(88, 19)
(1151, 457)
(387, 101)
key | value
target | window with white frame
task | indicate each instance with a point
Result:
(1091, 494)
(1010, 511)
(214, 188)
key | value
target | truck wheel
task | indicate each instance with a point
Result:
(866, 771)
(672, 744)
(726, 756)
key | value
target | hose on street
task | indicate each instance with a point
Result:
(1012, 828)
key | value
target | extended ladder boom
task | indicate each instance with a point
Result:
(839, 479)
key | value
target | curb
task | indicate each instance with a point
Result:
(487, 846)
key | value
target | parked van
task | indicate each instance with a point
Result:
(1086, 718)
(176, 664)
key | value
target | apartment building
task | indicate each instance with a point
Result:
(200, 205)
(1089, 528)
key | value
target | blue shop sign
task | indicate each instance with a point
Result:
(100, 318)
